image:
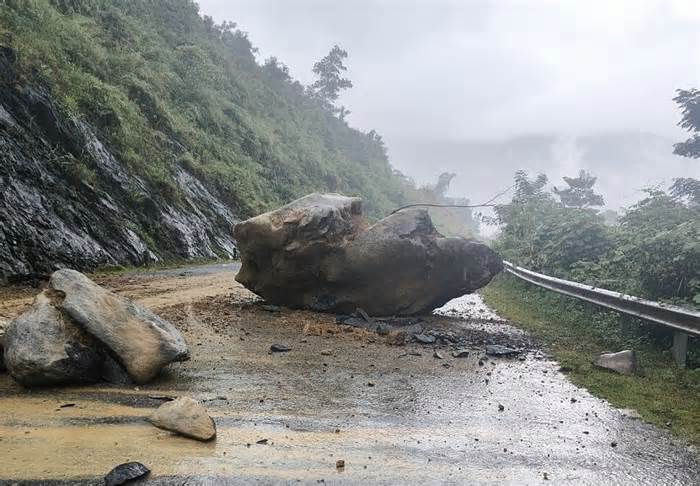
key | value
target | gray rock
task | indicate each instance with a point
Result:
(316, 253)
(624, 362)
(124, 473)
(140, 340)
(185, 416)
(44, 347)
(280, 348)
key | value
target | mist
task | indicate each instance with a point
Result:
(484, 88)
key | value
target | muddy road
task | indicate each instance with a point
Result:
(394, 414)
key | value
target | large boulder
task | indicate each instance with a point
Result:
(3, 326)
(317, 252)
(44, 347)
(140, 340)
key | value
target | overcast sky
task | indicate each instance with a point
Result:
(477, 70)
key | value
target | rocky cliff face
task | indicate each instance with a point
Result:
(51, 217)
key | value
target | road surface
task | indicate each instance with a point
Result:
(394, 414)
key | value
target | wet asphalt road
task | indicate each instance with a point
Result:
(393, 417)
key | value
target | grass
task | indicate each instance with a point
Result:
(574, 333)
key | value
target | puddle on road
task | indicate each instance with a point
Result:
(420, 422)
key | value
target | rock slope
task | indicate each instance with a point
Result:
(54, 217)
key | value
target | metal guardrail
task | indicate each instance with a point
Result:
(683, 321)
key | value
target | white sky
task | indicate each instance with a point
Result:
(490, 69)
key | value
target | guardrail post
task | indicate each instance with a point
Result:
(680, 348)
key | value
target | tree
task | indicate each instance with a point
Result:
(686, 188)
(330, 81)
(689, 102)
(443, 183)
(580, 192)
(274, 69)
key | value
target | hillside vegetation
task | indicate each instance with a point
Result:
(652, 250)
(166, 87)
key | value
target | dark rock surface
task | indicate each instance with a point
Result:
(316, 253)
(125, 473)
(53, 217)
(44, 347)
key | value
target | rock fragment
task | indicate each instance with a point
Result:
(280, 348)
(125, 473)
(624, 362)
(185, 416)
(460, 353)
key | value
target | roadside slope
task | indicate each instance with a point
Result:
(140, 131)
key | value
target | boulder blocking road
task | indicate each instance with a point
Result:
(391, 414)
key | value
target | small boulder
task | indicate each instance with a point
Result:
(141, 341)
(280, 348)
(125, 473)
(623, 362)
(44, 347)
(185, 416)
(500, 350)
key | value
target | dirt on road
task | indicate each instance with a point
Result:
(394, 414)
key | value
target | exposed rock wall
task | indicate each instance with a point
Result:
(50, 218)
